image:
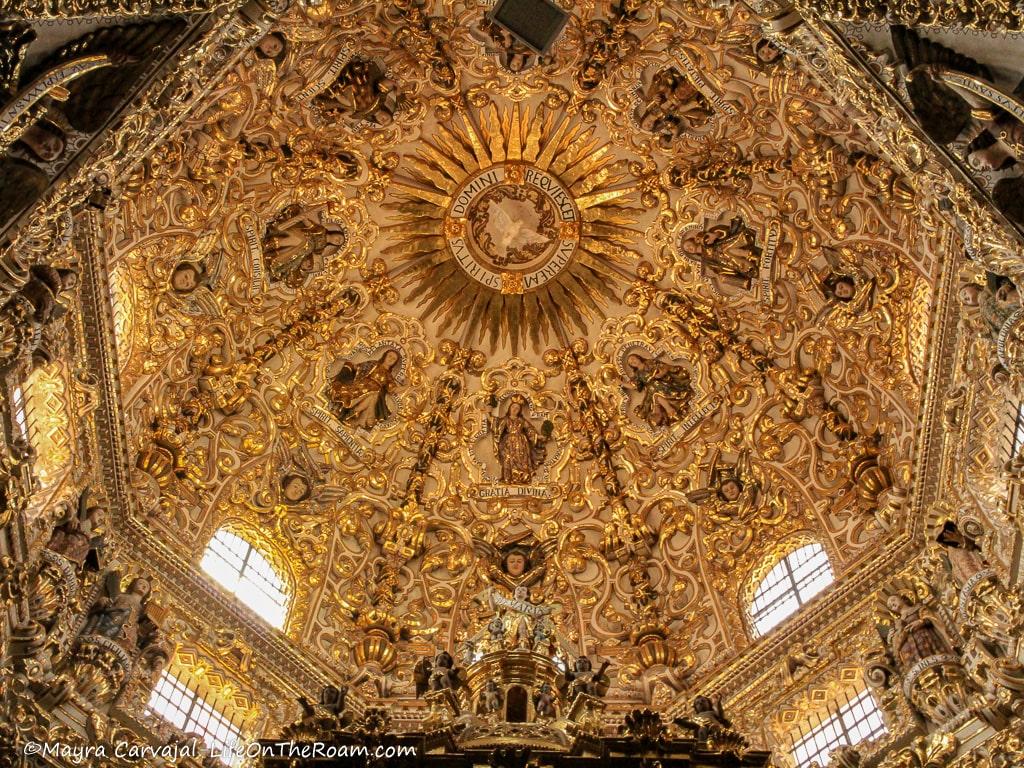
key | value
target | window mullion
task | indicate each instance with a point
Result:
(193, 697)
(792, 578)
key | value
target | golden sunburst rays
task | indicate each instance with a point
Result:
(512, 227)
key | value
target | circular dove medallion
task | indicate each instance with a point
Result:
(512, 227)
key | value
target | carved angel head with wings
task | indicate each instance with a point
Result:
(733, 492)
(515, 564)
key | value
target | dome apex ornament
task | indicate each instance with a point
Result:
(513, 227)
(512, 224)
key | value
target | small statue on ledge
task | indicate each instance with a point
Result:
(583, 679)
(324, 718)
(441, 674)
(710, 725)
(544, 702)
(79, 534)
(491, 699)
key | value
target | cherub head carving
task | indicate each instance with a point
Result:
(516, 562)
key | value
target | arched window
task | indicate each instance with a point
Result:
(241, 569)
(793, 581)
(177, 702)
(859, 719)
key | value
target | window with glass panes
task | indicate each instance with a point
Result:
(20, 418)
(241, 569)
(185, 709)
(1014, 433)
(857, 720)
(793, 581)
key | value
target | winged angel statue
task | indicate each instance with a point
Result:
(736, 500)
(510, 617)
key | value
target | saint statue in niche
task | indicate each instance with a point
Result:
(362, 395)
(362, 91)
(914, 635)
(730, 251)
(671, 106)
(296, 241)
(115, 614)
(994, 302)
(664, 389)
(518, 446)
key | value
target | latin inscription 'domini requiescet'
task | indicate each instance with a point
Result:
(513, 227)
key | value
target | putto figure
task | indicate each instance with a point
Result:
(584, 679)
(664, 388)
(518, 446)
(439, 674)
(672, 106)
(732, 494)
(544, 702)
(362, 92)
(362, 395)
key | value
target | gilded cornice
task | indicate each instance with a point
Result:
(293, 671)
(828, 56)
(69, 9)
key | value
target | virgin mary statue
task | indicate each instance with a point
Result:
(360, 394)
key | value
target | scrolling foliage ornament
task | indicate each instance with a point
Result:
(394, 473)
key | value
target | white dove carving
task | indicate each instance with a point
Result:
(512, 225)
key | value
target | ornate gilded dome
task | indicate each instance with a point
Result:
(483, 347)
